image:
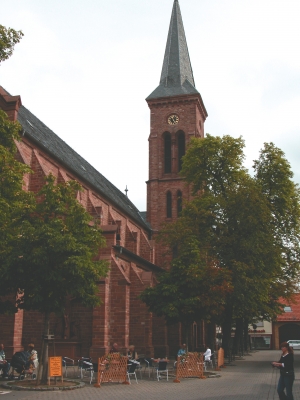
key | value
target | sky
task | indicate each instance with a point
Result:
(84, 68)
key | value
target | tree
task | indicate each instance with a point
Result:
(57, 255)
(8, 39)
(246, 226)
(195, 286)
(247, 233)
(14, 202)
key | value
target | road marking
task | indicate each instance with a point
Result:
(4, 392)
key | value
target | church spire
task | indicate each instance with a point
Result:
(177, 75)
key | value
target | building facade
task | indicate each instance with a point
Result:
(177, 114)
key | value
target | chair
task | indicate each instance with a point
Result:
(131, 371)
(85, 365)
(149, 365)
(162, 367)
(139, 367)
(68, 363)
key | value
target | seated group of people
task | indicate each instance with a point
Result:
(183, 350)
(31, 360)
(131, 353)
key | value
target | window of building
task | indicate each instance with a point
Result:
(169, 205)
(181, 149)
(167, 153)
(179, 203)
(287, 309)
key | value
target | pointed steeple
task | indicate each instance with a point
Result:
(177, 75)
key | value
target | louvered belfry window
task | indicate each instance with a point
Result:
(181, 149)
(179, 203)
(167, 153)
(169, 205)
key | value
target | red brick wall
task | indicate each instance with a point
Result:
(140, 318)
(119, 307)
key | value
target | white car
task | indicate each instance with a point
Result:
(295, 344)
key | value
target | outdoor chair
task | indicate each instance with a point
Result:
(85, 366)
(162, 367)
(149, 365)
(68, 363)
(141, 361)
(131, 371)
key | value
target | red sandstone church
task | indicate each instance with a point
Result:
(177, 115)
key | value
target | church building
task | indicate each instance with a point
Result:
(177, 115)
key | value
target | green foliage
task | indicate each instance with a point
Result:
(8, 39)
(14, 202)
(245, 229)
(213, 164)
(47, 246)
(56, 252)
(195, 286)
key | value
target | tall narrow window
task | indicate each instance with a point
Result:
(181, 149)
(169, 205)
(168, 153)
(179, 203)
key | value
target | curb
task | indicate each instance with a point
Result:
(8, 385)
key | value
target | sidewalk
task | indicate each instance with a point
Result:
(249, 379)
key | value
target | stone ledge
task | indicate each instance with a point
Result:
(77, 385)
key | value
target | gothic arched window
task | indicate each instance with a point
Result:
(181, 149)
(179, 203)
(169, 205)
(167, 153)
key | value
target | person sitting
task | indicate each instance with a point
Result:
(132, 354)
(207, 353)
(182, 350)
(33, 355)
(115, 348)
(4, 365)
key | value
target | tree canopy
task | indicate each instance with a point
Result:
(246, 226)
(56, 252)
(14, 202)
(8, 39)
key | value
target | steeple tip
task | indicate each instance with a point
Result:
(177, 73)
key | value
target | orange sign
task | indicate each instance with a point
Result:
(55, 366)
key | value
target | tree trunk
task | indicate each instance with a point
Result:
(226, 331)
(211, 336)
(186, 335)
(43, 366)
(238, 338)
(246, 336)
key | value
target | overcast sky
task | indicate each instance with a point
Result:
(84, 67)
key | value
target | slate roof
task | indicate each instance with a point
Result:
(177, 75)
(52, 144)
(293, 315)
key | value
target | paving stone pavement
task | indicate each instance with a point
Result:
(249, 379)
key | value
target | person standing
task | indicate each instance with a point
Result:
(287, 375)
(207, 353)
(4, 365)
(33, 355)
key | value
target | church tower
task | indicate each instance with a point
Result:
(177, 114)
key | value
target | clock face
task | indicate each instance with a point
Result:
(173, 119)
